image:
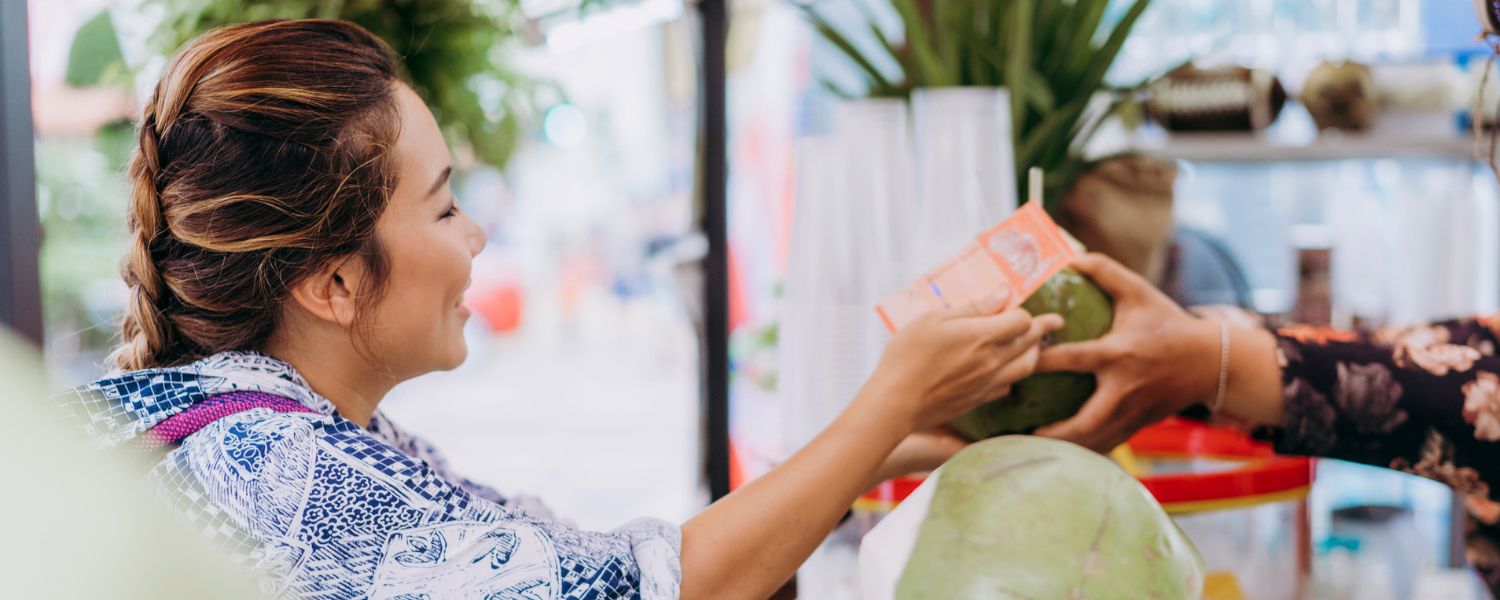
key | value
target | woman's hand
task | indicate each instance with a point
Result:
(948, 362)
(1156, 360)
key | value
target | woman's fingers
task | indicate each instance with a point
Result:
(1018, 359)
(1050, 323)
(1001, 328)
(1017, 368)
(1026, 341)
(1078, 357)
(981, 307)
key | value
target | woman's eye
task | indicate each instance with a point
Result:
(452, 210)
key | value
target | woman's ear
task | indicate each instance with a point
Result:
(329, 294)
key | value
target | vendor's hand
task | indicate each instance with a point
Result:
(1156, 360)
(950, 361)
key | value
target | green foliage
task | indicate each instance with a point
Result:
(94, 58)
(752, 351)
(456, 53)
(1052, 56)
(80, 196)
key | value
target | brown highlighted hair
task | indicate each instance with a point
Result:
(265, 153)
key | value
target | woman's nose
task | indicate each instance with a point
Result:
(477, 238)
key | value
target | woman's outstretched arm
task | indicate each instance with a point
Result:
(751, 542)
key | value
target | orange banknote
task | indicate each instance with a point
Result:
(1019, 254)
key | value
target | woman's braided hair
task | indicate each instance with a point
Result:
(264, 154)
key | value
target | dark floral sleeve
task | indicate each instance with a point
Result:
(1423, 399)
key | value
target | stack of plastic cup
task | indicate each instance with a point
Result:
(965, 164)
(881, 195)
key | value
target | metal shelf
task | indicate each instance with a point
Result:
(1294, 138)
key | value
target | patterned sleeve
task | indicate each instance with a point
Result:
(1423, 399)
(325, 509)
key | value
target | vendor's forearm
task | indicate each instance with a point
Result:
(1253, 391)
(1418, 398)
(751, 542)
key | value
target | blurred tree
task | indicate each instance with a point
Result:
(457, 54)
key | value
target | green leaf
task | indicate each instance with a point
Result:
(1083, 136)
(880, 36)
(839, 92)
(94, 53)
(1105, 57)
(986, 55)
(1048, 20)
(1018, 58)
(444, 46)
(932, 71)
(1051, 127)
(1078, 50)
(837, 38)
(1038, 90)
(902, 56)
(946, 21)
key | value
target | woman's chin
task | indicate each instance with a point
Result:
(457, 356)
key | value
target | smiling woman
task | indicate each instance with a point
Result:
(297, 253)
(404, 330)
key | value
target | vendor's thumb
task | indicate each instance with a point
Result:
(1111, 276)
(1092, 428)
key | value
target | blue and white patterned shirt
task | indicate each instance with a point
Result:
(323, 508)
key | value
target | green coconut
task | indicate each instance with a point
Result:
(1029, 517)
(1046, 398)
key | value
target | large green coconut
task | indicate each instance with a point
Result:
(1047, 397)
(1028, 517)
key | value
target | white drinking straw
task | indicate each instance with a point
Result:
(1034, 184)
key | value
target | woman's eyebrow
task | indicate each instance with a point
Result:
(441, 179)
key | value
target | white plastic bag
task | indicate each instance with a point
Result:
(884, 550)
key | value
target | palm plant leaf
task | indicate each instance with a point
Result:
(947, 18)
(1048, 16)
(1052, 56)
(839, 40)
(1078, 41)
(933, 71)
(1018, 58)
(904, 58)
(1051, 128)
(1093, 78)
